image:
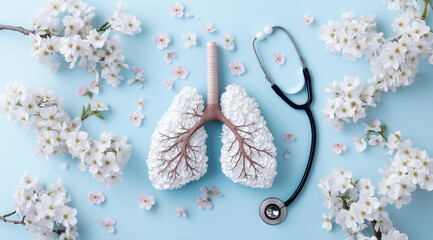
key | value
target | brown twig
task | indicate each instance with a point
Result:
(16, 29)
(4, 218)
(377, 234)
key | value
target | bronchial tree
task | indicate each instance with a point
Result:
(64, 28)
(44, 212)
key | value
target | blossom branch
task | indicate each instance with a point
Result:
(16, 29)
(4, 218)
(377, 234)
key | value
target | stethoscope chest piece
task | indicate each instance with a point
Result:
(272, 211)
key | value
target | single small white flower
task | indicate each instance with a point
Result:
(360, 144)
(228, 41)
(98, 105)
(190, 39)
(176, 10)
(140, 103)
(96, 39)
(136, 117)
(208, 28)
(162, 41)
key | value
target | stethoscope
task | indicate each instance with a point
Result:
(272, 210)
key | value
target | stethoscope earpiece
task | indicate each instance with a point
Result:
(272, 211)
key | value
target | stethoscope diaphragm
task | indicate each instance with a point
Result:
(272, 211)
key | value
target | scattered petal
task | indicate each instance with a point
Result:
(169, 57)
(169, 84)
(203, 190)
(138, 72)
(108, 223)
(203, 201)
(162, 41)
(279, 58)
(64, 165)
(181, 212)
(215, 191)
(237, 68)
(94, 86)
(338, 147)
(208, 28)
(136, 117)
(287, 155)
(188, 15)
(81, 90)
(176, 10)
(96, 198)
(288, 137)
(145, 201)
(308, 19)
(179, 72)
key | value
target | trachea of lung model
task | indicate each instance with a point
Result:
(177, 153)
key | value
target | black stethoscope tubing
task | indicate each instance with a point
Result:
(306, 108)
(270, 205)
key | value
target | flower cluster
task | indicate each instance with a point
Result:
(354, 206)
(57, 133)
(400, 4)
(410, 166)
(393, 61)
(349, 99)
(45, 212)
(353, 38)
(78, 41)
(205, 200)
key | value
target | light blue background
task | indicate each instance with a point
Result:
(235, 215)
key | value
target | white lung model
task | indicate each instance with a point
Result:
(169, 167)
(256, 166)
(178, 151)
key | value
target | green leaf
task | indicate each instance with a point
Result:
(104, 25)
(90, 94)
(384, 128)
(83, 112)
(98, 115)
